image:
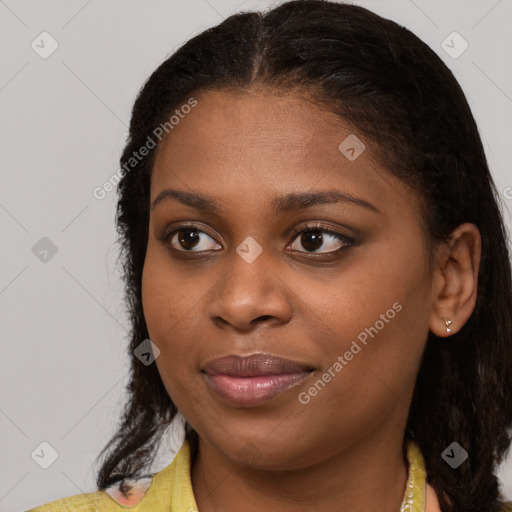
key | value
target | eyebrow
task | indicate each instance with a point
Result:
(282, 204)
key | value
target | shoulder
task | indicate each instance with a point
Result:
(113, 499)
(169, 489)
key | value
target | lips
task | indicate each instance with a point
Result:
(251, 380)
(254, 365)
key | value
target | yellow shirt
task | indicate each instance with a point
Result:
(170, 490)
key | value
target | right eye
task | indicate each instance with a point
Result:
(189, 238)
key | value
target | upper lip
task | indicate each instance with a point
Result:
(253, 365)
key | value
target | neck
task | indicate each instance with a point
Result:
(366, 476)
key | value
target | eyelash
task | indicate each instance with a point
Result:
(347, 241)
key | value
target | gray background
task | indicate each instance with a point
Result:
(63, 125)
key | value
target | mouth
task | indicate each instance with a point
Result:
(248, 381)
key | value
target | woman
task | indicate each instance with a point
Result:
(318, 277)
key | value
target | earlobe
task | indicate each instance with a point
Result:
(455, 284)
(442, 328)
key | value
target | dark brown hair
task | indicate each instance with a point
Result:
(396, 91)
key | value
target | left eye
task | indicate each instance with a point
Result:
(315, 238)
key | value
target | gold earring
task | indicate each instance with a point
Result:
(448, 323)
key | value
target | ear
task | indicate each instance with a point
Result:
(455, 283)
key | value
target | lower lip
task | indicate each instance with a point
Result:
(252, 391)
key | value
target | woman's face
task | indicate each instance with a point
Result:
(237, 277)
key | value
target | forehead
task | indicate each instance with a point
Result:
(261, 143)
(252, 120)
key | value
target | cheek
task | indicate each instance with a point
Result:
(164, 310)
(170, 305)
(382, 290)
(379, 312)
(165, 299)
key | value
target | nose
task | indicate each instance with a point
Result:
(250, 294)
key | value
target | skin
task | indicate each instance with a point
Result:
(242, 150)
